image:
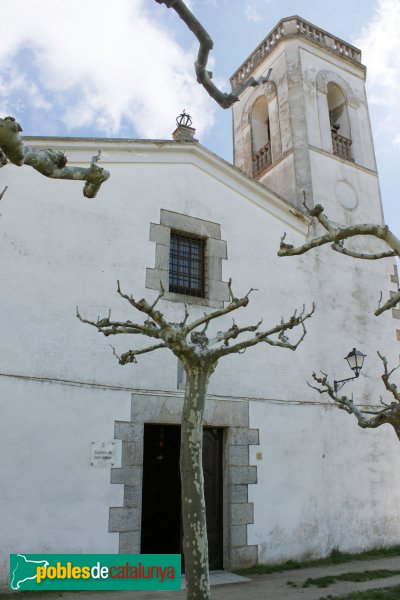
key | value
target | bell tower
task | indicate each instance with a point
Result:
(307, 128)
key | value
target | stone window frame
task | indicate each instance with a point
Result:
(216, 290)
(238, 474)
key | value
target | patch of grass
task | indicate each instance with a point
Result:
(336, 557)
(364, 576)
(392, 593)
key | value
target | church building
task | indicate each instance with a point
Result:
(90, 448)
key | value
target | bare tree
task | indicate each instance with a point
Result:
(336, 235)
(199, 355)
(51, 163)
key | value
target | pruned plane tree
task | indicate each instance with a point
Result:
(199, 353)
(336, 235)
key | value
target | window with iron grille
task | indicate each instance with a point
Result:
(186, 265)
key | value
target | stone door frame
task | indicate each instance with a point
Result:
(231, 415)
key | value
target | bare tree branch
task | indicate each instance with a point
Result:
(186, 315)
(51, 163)
(362, 255)
(130, 355)
(391, 387)
(366, 418)
(336, 234)
(231, 296)
(389, 304)
(232, 333)
(143, 306)
(3, 159)
(204, 77)
(265, 336)
(160, 295)
(379, 231)
(233, 305)
(108, 327)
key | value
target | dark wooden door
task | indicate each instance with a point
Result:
(161, 496)
(212, 471)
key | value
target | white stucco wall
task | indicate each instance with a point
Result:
(52, 499)
(72, 251)
(322, 483)
(59, 250)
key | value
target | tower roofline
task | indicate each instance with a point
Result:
(291, 27)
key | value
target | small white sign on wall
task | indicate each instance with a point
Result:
(102, 454)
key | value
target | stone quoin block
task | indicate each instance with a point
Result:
(123, 519)
(159, 234)
(128, 432)
(238, 493)
(238, 535)
(243, 436)
(245, 474)
(132, 496)
(217, 248)
(129, 542)
(127, 475)
(244, 556)
(238, 455)
(132, 453)
(242, 514)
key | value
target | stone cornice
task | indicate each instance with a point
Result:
(290, 27)
(80, 150)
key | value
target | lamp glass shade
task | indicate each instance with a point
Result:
(355, 358)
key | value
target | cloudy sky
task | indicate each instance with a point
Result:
(125, 68)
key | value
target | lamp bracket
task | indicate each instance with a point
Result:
(341, 382)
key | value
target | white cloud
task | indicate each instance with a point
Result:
(98, 64)
(380, 44)
(252, 14)
(252, 10)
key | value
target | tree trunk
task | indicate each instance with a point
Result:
(195, 545)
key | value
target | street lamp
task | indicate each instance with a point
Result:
(355, 358)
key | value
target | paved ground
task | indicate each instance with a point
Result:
(259, 587)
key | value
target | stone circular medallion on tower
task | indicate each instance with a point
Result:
(346, 195)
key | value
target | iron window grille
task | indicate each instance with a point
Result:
(187, 265)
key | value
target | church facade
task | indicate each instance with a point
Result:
(90, 448)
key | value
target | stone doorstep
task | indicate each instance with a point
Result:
(220, 577)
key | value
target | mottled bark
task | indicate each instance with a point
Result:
(195, 544)
(204, 77)
(397, 430)
(336, 236)
(51, 163)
